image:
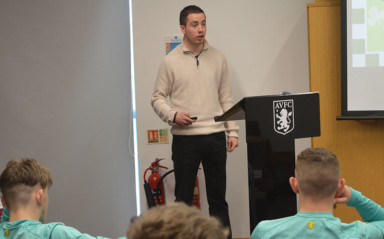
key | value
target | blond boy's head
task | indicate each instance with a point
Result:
(176, 221)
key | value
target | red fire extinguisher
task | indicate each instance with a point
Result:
(196, 194)
(153, 180)
(154, 187)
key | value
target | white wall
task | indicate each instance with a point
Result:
(65, 101)
(265, 42)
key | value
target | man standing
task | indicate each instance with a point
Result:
(319, 187)
(195, 78)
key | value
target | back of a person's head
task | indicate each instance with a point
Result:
(318, 172)
(175, 221)
(19, 178)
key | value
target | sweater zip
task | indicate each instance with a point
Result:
(197, 59)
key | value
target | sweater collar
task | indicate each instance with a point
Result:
(186, 50)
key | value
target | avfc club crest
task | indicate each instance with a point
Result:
(283, 116)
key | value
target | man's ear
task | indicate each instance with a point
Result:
(39, 196)
(294, 184)
(182, 28)
(3, 201)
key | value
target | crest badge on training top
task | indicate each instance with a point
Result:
(283, 115)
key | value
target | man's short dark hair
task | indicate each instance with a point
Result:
(318, 172)
(188, 10)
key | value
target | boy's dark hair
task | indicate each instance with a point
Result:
(188, 10)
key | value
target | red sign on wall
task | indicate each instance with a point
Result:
(157, 136)
(153, 136)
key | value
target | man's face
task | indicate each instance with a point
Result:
(195, 29)
(44, 210)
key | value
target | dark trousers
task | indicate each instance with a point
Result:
(210, 150)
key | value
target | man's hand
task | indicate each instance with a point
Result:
(232, 143)
(183, 119)
(343, 195)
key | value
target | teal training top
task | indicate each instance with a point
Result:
(32, 229)
(325, 225)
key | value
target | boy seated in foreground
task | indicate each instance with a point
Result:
(24, 185)
(176, 221)
(320, 187)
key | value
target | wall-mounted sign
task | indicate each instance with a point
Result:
(172, 41)
(158, 136)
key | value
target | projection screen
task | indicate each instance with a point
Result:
(362, 56)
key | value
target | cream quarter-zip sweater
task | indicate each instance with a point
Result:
(199, 87)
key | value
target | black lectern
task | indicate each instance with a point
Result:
(272, 124)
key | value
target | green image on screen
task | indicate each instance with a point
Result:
(375, 25)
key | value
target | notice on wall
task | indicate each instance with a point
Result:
(172, 41)
(158, 136)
